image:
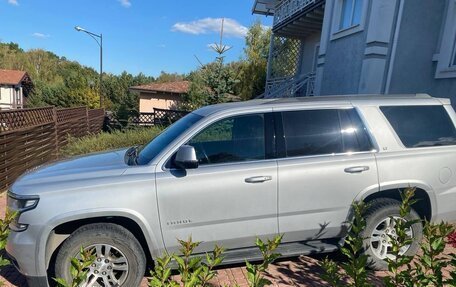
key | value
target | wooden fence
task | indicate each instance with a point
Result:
(31, 137)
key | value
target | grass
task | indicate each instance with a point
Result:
(109, 141)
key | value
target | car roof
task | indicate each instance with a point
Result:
(354, 100)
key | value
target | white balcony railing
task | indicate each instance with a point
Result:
(287, 8)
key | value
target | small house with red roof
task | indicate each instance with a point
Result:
(160, 95)
(15, 86)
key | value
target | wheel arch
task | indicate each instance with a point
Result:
(426, 205)
(62, 228)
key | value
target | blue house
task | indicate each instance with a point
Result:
(330, 47)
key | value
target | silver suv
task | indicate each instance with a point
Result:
(229, 173)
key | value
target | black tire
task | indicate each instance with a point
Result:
(379, 210)
(126, 246)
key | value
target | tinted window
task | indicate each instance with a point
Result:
(319, 132)
(154, 147)
(355, 136)
(420, 126)
(233, 139)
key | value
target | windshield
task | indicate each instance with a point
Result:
(155, 146)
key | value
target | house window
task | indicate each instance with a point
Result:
(351, 13)
(349, 17)
(446, 55)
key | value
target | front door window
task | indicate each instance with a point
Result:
(235, 139)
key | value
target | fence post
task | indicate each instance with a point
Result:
(56, 136)
(87, 121)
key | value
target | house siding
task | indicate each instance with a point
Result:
(343, 65)
(308, 52)
(6, 97)
(148, 101)
(394, 50)
(419, 39)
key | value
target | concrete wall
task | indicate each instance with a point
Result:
(343, 64)
(355, 61)
(340, 58)
(149, 101)
(419, 39)
(308, 52)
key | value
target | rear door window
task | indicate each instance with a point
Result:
(421, 126)
(324, 132)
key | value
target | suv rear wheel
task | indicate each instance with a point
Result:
(380, 229)
(119, 257)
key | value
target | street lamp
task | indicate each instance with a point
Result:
(100, 43)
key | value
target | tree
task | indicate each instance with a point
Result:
(214, 82)
(254, 64)
(64, 83)
(169, 77)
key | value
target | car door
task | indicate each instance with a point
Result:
(327, 160)
(231, 198)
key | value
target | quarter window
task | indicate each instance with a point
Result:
(421, 126)
(351, 13)
(234, 139)
(323, 132)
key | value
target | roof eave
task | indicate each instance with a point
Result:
(155, 91)
(263, 7)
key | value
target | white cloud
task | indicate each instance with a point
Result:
(207, 25)
(13, 2)
(41, 35)
(161, 46)
(125, 3)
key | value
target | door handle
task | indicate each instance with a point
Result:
(356, 169)
(258, 179)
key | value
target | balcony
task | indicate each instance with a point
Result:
(298, 18)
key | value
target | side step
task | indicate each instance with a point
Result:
(286, 249)
(292, 249)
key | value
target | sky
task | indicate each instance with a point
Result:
(147, 36)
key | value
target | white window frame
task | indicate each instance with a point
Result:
(447, 55)
(336, 30)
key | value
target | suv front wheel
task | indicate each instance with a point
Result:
(380, 230)
(119, 257)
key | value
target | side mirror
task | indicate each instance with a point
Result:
(186, 157)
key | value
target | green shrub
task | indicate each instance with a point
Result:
(355, 268)
(4, 232)
(108, 141)
(78, 269)
(424, 269)
(198, 271)
(400, 265)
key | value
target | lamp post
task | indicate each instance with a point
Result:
(100, 44)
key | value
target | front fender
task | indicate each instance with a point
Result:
(153, 239)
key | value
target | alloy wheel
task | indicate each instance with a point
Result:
(383, 235)
(109, 269)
